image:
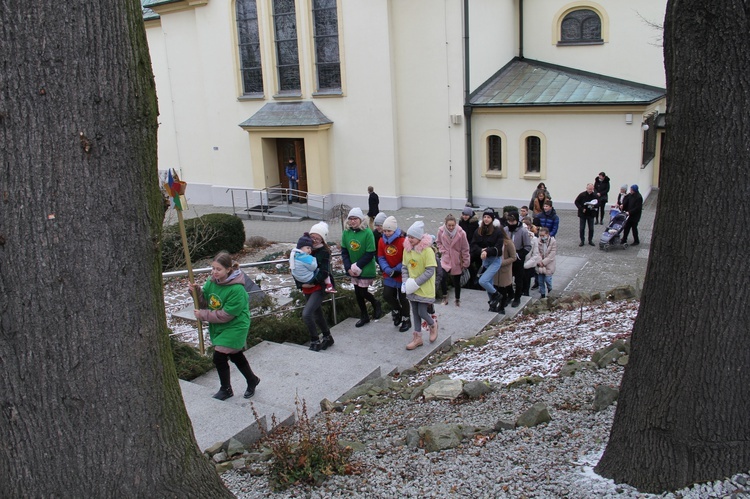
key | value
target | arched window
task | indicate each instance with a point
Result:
(582, 26)
(494, 154)
(533, 154)
(249, 47)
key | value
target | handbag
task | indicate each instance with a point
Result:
(465, 277)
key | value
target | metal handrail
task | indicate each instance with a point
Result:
(205, 270)
(276, 191)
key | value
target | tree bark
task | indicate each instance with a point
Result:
(90, 404)
(682, 414)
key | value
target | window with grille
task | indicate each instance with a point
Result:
(285, 36)
(581, 27)
(249, 47)
(494, 153)
(533, 154)
(326, 37)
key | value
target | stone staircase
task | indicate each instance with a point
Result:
(291, 372)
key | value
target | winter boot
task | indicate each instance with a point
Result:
(396, 316)
(243, 366)
(315, 346)
(433, 332)
(362, 321)
(416, 341)
(326, 342)
(224, 393)
(405, 325)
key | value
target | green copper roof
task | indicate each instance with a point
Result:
(298, 113)
(524, 83)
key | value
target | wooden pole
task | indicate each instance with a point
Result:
(193, 293)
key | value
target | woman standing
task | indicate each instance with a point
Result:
(541, 187)
(504, 277)
(488, 245)
(601, 188)
(537, 207)
(454, 250)
(358, 253)
(418, 267)
(390, 258)
(315, 291)
(224, 306)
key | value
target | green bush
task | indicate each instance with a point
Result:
(206, 236)
(189, 363)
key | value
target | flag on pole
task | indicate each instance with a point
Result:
(175, 189)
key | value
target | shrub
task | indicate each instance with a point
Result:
(303, 454)
(256, 242)
(206, 236)
(189, 363)
(510, 209)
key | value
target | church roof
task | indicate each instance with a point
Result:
(297, 113)
(526, 83)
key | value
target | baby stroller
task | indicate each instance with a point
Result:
(611, 237)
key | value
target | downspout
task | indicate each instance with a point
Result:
(520, 29)
(467, 108)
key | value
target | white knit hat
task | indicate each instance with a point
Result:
(321, 229)
(390, 223)
(416, 230)
(356, 212)
(380, 218)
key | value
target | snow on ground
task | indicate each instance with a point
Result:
(540, 345)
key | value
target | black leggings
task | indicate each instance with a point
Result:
(397, 300)
(362, 294)
(456, 279)
(221, 361)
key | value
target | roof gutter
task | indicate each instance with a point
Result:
(467, 108)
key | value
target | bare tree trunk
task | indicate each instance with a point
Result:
(682, 415)
(90, 404)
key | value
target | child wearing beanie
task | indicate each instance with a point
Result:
(418, 270)
(303, 265)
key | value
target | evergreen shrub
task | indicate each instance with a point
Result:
(206, 235)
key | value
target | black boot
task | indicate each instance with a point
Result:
(362, 321)
(326, 342)
(224, 393)
(495, 301)
(243, 366)
(396, 316)
(222, 368)
(405, 325)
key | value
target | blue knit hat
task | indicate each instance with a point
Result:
(305, 240)
(634, 187)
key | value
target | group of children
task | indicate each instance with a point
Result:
(411, 262)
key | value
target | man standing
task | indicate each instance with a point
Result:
(601, 187)
(373, 206)
(293, 177)
(633, 206)
(586, 202)
(522, 241)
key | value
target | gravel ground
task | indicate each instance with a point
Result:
(555, 459)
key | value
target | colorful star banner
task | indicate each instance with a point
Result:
(176, 190)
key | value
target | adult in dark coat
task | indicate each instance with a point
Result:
(586, 213)
(601, 188)
(548, 218)
(470, 223)
(633, 206)
(373, 204)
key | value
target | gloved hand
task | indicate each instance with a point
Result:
(403, 287)
(354, 270)
(411, 286)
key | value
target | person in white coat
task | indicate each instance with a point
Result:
(546, 267)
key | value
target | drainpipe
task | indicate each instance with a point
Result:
(520, 29)
(467, 108)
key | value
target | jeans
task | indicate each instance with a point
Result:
(491, 265)
(312, 314)
(545, 283)
(293, 187)
(582, 221)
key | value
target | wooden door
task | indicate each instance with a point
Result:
(292, 148)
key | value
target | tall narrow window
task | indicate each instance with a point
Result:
(494, 153)
(581, 27)
(326, 33)
(287, 57)
(249, 47)
(533, 154)
(649, 140)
